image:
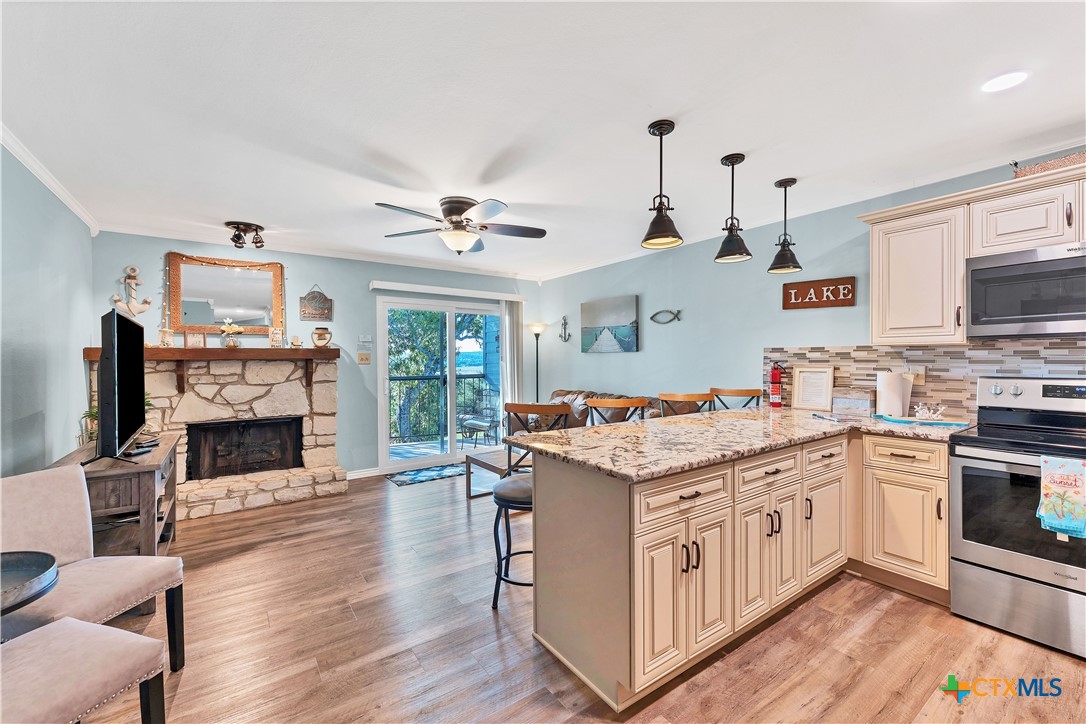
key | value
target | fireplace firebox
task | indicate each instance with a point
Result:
(236, 447)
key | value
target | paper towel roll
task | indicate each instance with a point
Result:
(893, 391)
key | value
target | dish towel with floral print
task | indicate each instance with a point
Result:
(1063, 496)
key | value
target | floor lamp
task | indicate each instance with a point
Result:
(537, 329)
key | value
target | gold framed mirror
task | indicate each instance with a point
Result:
(204, 291)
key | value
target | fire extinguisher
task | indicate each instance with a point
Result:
(775, 385)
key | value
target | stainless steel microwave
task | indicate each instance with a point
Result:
(1034, 293)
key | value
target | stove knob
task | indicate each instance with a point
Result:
(1015, 390)
(996, 390)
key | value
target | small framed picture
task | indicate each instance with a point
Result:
(275, 337)
(812, 387)
(195, 340)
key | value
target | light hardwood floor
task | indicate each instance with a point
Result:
(375, 605)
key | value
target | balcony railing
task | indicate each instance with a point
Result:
(418, 408)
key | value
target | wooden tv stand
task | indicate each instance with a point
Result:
(133, 504)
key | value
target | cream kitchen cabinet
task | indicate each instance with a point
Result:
(918, 279)
(1078, 214)
(1026, 220)
(906, 524)
(709, 588)
(768, 552)
(824, 546)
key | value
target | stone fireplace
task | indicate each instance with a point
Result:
(234, 404)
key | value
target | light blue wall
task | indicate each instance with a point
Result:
(730, 312)
(345, 281)
(45, 321)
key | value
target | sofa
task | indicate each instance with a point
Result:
(579, 417)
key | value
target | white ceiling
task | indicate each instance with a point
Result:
(168, 119)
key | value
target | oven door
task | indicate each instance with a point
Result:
(994, 523)
(1038, 292)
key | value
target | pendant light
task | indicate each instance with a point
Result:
(785, 261)
(662, 233)
(732, 249)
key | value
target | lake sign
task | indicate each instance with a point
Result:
(839, 292)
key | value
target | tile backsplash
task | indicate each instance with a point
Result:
(951, 372)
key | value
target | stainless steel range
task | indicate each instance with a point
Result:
(1005, 569)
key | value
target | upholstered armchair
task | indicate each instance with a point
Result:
(50, 511)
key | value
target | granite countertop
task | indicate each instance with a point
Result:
(649, 449)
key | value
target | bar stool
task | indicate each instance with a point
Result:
(704, 400)
(634, 406)
(514, 490)
(753, 395)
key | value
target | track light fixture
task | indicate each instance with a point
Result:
(732, 248)
(243, 229)
(785, 262)
(662, 233)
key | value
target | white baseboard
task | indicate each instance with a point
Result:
(367, 473)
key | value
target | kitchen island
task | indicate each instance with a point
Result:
(658, 542)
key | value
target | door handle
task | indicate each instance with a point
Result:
(939, 508)
(686, 559)
(958, 316)
(1069, 213)
(695, 494)
(697, 554)
(774, 471)
(810, 508)
(777, 515)
(770, 533)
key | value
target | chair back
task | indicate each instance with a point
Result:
(753, 395)
(634, 407)
(47, 511)
(704, 401)
(521, 413)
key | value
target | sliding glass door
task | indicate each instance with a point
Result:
(440, 381)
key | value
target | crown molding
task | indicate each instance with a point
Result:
(296, 248)
(36, 167)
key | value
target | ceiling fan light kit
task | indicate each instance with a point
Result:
(242, 229)
(785, 261)
(462, 219)
(732, 248)
(662, 233)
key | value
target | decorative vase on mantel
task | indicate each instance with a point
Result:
(322, 337)
(229, 333)
(231, 341)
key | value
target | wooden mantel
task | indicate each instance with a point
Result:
(181, 355)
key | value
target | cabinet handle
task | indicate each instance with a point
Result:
(777, 515)
(902, 455)
(774, 471)
(958, 316)
(770, 533)
(810, 508)
(695, 494)
(827, 456)
(686, 559)
(697, 553)
(939, 508)
(1070, 214)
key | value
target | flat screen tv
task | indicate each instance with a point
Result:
(121, 411)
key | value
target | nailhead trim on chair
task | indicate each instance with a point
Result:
(115, 614)
(140, 680)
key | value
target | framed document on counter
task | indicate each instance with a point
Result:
(812, 387)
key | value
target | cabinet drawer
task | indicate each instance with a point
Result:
(765, 472)
(660, 502)
(114, 495)
(825, 455)
(898, 453)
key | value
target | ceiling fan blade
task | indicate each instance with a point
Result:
(528, 232)
(412, 233)
(402, 210)
(477, 246)
(484, 210)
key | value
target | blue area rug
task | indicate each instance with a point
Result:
(426, 474)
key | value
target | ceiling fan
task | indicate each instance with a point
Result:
(463, 219)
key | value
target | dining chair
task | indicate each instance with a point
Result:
(753, 395)
(704, 401)
(50, 511)
(634, 409)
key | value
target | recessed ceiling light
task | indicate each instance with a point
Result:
(1003, 82)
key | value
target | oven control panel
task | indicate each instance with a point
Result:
(1064, 392)
(1057, 394)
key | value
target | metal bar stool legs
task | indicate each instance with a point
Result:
(501, 564)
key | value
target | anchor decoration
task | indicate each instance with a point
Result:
(131, 281)
(667, 316)
(564, 335)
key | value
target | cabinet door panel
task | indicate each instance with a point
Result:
(786, 505)
(659, 596)
(752, 524)
(824, 531)
(1023, 221)
(905, 528)
(711, 582)
(918, 279)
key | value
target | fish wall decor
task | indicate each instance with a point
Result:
(666, 316)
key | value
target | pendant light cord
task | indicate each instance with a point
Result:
(661, 168)
(784, 241)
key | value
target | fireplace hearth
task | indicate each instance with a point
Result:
(238, 447)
